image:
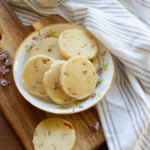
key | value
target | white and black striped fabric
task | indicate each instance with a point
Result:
(124, 27)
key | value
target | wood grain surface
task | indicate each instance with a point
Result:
(8, 139)
(22, 116)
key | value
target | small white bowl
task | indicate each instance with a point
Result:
(104, 75)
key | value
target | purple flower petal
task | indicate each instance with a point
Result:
(35, 38)
(3, 69)
(4, 51)
(3, 82)
(95, 125)
(8, 62)
(3, 56)
(99, 71)
(80, 107)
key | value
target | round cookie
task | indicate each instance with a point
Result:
(77, 42)
(54, 134)
(51, 84)
(33, 74)
(47, 47)
(78, 77)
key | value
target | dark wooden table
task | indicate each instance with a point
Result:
(8, 139)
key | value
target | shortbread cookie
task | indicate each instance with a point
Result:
(54, 134)
(33, 74)
(77, 42)
(51, 83)
(78, 77)
(47, 47)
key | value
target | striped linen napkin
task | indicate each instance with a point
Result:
(124, 27)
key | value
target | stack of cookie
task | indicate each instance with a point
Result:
(61, 68)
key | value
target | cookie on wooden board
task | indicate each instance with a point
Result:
(77, 42)
(54, 134)
(52, 86)
(33, 74)
(78, 77)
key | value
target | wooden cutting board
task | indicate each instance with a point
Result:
(22, 116)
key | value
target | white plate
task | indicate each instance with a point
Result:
(104, 75)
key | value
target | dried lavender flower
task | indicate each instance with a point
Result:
(8, 62)
(3, 56)
(3, 70)
(4, 51)
(4, 82)
(95, 125)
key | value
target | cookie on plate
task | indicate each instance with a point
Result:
(33, 74)
(47, 47)
(51, 83)
(54, 134)
(77, 42)
(78, 77)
